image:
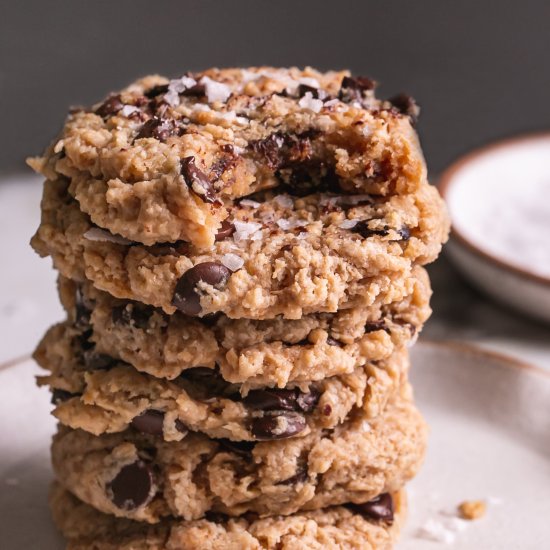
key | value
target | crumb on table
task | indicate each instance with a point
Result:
(472, 509)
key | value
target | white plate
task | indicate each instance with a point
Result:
(490, 419)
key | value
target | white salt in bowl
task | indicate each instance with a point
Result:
(499, 201)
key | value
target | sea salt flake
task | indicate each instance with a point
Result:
(128, 110)
(215, 91)
(176, 87)
(97, 234)
(250, 203)
(348, 224)
(309, 81)
(285, 201)
(232, 261)
(245, 230)
(332, 102)
(436, 531)
(309, 102)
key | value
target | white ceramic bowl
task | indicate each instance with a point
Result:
(467, 186)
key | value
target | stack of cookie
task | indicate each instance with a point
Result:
(240, 259)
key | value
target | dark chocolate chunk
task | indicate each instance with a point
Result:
(373, 326)
(277, 426)
(378, 509)
(353, 88)
(241, 448)
(186, 298)
(275, 399)
(58, 396)
(132, 314)
(226, 230)
(177, 248)
(271, 149)
(303, 89)
(197, 180)
(149, 422)
(198, 90)
(204, 384)
(112, 105)
(159, 128)
(363, 229)
(134, 486)
(300, 477)
(406, 105)
(156, 91)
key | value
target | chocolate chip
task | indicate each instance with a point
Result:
(300, 477)
(186, 298)
(378, 509)
(274, 399)
(373, 326)
(177, 248)
(327, 410)
(149, 422)
(405, 233)
(112, 105)
(204, 384)
(363, 229)
(241, 448)
(156, 91)
(159, 128)
(98, 361)
(303, 89)
(277, 426)
(406, 105)
(197, 180)
(133, 486)
(226, 230)
(132, 314)
(58, 396)
(270, 149)
(198, 90)
(353, 87)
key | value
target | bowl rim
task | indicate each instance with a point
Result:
(446, 180)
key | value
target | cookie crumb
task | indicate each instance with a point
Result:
(472, 509)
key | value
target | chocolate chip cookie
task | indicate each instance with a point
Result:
(291, 260)
(373, 525)
(166, 160)
(253, 353)
(140, 476)
(103, 395)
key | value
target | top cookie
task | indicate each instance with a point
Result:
(165, 160)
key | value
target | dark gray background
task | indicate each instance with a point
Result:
(480, 68)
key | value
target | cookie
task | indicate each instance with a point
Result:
(163, 160)
(312, 257)
(254, 353)
(100, 394)
(142, 477)
(373, 525)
